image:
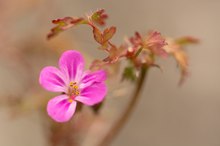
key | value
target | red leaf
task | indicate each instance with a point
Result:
(136, 41)
(64, 24)
(98, 35)
(108, 33)
(99, 17)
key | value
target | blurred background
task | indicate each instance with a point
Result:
(166, 115)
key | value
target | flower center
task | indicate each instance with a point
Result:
(73, 91)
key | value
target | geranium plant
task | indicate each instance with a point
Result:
(77, 86)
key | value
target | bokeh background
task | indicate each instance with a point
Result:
(166, 115)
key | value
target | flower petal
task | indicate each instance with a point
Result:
(60, 109)
(72, 64)
(52, 79)
(92, 94)
(92, 77)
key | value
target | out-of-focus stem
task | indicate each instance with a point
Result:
(127, 113)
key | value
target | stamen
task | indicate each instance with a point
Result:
(73, 90)
(72, 84)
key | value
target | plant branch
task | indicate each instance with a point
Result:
(128, 111)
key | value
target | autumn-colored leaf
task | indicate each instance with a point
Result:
(182, 61)
(97, 35)
(175, 47)
(108, 33)
(99, 17)
(187, 40)
(155, 42)
(64, 24)
(113, 55)
(136, 41)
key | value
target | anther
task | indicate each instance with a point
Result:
(72, 84)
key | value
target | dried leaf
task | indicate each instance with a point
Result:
(187, 40)
(176, 49)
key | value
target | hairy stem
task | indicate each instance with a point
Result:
(128, 111)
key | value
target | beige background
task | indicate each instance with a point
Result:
(166, 115)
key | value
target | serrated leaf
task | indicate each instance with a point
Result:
(155, 42)
(64, 24)
(99, 17)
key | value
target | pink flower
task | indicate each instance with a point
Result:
(75, 84)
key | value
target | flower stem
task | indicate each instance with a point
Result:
(128, 111)
(138, 52)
